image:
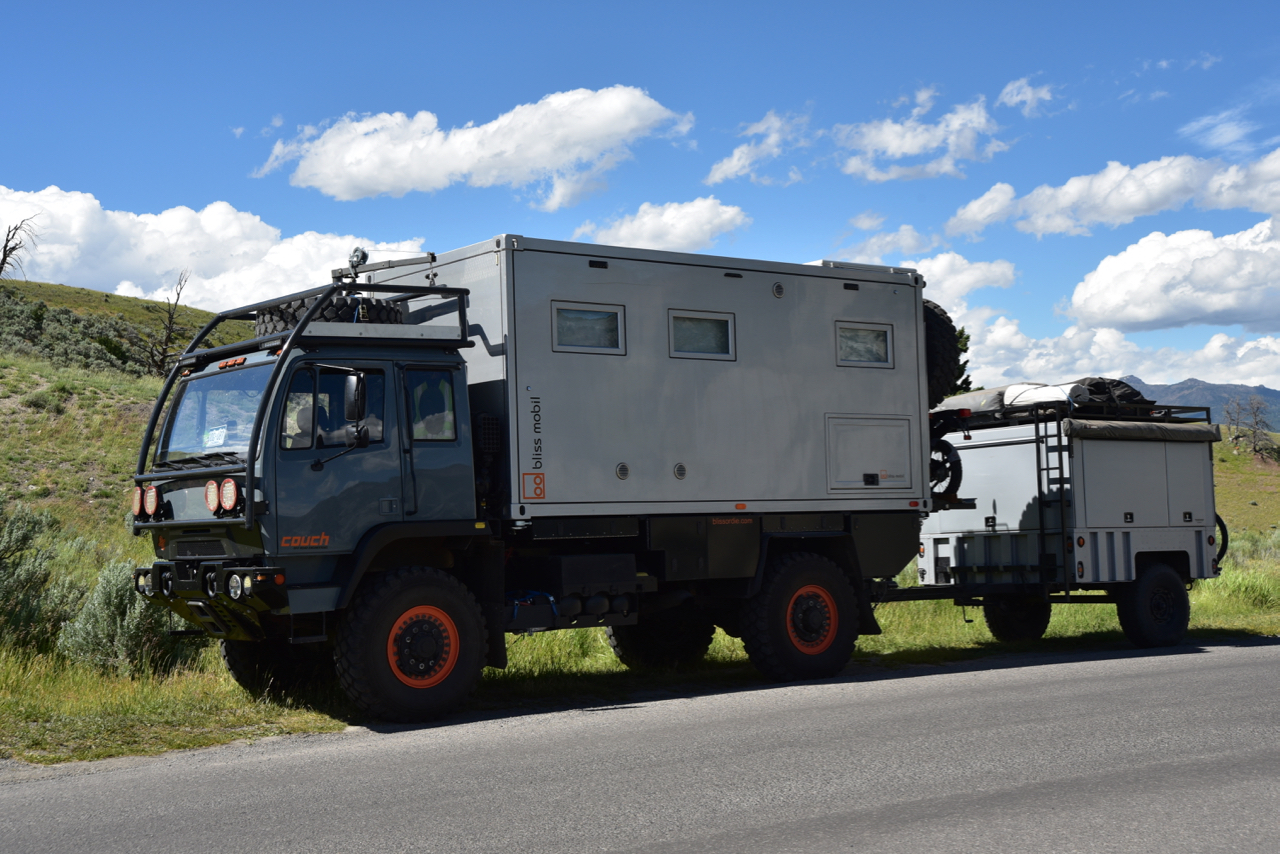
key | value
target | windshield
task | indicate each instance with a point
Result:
(213, 414)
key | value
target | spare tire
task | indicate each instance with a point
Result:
(941, 351)
(271, 321)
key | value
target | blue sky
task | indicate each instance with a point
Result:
(1088, 189)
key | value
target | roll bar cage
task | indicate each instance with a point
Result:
(344, 284)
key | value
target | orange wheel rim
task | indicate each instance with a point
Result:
(812, 619)
(422, 646)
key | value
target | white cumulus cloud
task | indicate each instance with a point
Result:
(1020, 93)
(234, 257)
(905, 241)
(1189, 277)
(775, 133)
(564, 143)
(677, 226)
(1118, 194)
(964, 133)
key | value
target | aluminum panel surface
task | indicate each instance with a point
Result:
(1124, 478)
(1190, 473)
(868, 453)
(746, 431)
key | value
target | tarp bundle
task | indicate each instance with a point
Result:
(1143, 431)
(1082, 392)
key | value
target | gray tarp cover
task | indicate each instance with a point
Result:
(1148, 431)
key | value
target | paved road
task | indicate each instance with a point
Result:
(1093, 752)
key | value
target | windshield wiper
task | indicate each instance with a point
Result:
(201, 462)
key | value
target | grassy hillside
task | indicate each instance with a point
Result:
(139, 312)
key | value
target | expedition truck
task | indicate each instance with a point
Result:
(405, 465)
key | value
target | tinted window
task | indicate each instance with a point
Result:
(431, 405)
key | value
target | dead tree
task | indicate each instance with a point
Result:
(19, 240)
(1257, 427)
(158, 344)
(1233, 413)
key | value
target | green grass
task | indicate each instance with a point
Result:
(70, 445)
(54, 711)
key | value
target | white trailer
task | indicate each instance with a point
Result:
(1076, 501)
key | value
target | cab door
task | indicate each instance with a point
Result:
(435, 436)
(328, 495)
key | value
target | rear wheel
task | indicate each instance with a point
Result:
(411, 646)
(1016, 618)
(670, 643)
(803, 623)
(275, 667)
(1155, 609)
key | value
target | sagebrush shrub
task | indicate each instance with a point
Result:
(119, 631)
(33, 602)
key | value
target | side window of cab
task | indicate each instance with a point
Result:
(313, 411)
(431, 410)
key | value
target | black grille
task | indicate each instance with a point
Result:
(198, 548)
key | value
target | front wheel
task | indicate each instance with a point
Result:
(803, 623)
(1155, 609)
(411, 646)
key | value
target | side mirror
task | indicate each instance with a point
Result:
(353, 389)
(357, 437)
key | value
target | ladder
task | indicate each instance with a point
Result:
(1053, 451)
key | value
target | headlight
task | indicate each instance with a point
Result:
(137, 501)
(151, 500)
(147, 586)
(248, 586)
(229, 495)
(211, 496)
(233, 586)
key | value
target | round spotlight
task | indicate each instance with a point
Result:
(248, 586)
(137, 583)
(137, 501)
(151, 500)
(211, 496)
(229, 495)
(147, 586)
(233, 586)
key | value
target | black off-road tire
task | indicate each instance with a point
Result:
(1155, 609)
(271, 321)
(275, 667)
(411, 646)
(1016, 618)
(942, 352)
(803, 623)
(679, 642)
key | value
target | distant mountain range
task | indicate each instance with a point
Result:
(1195, 392)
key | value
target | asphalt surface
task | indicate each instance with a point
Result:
(1172, 751)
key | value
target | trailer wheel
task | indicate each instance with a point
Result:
(1155, 609)
(271, 321)
(941, 352)
(1016, 618)
(803, 623)
(665, 644)
(275, 667)
(411, 646)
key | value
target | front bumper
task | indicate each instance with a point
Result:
(201, 594)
